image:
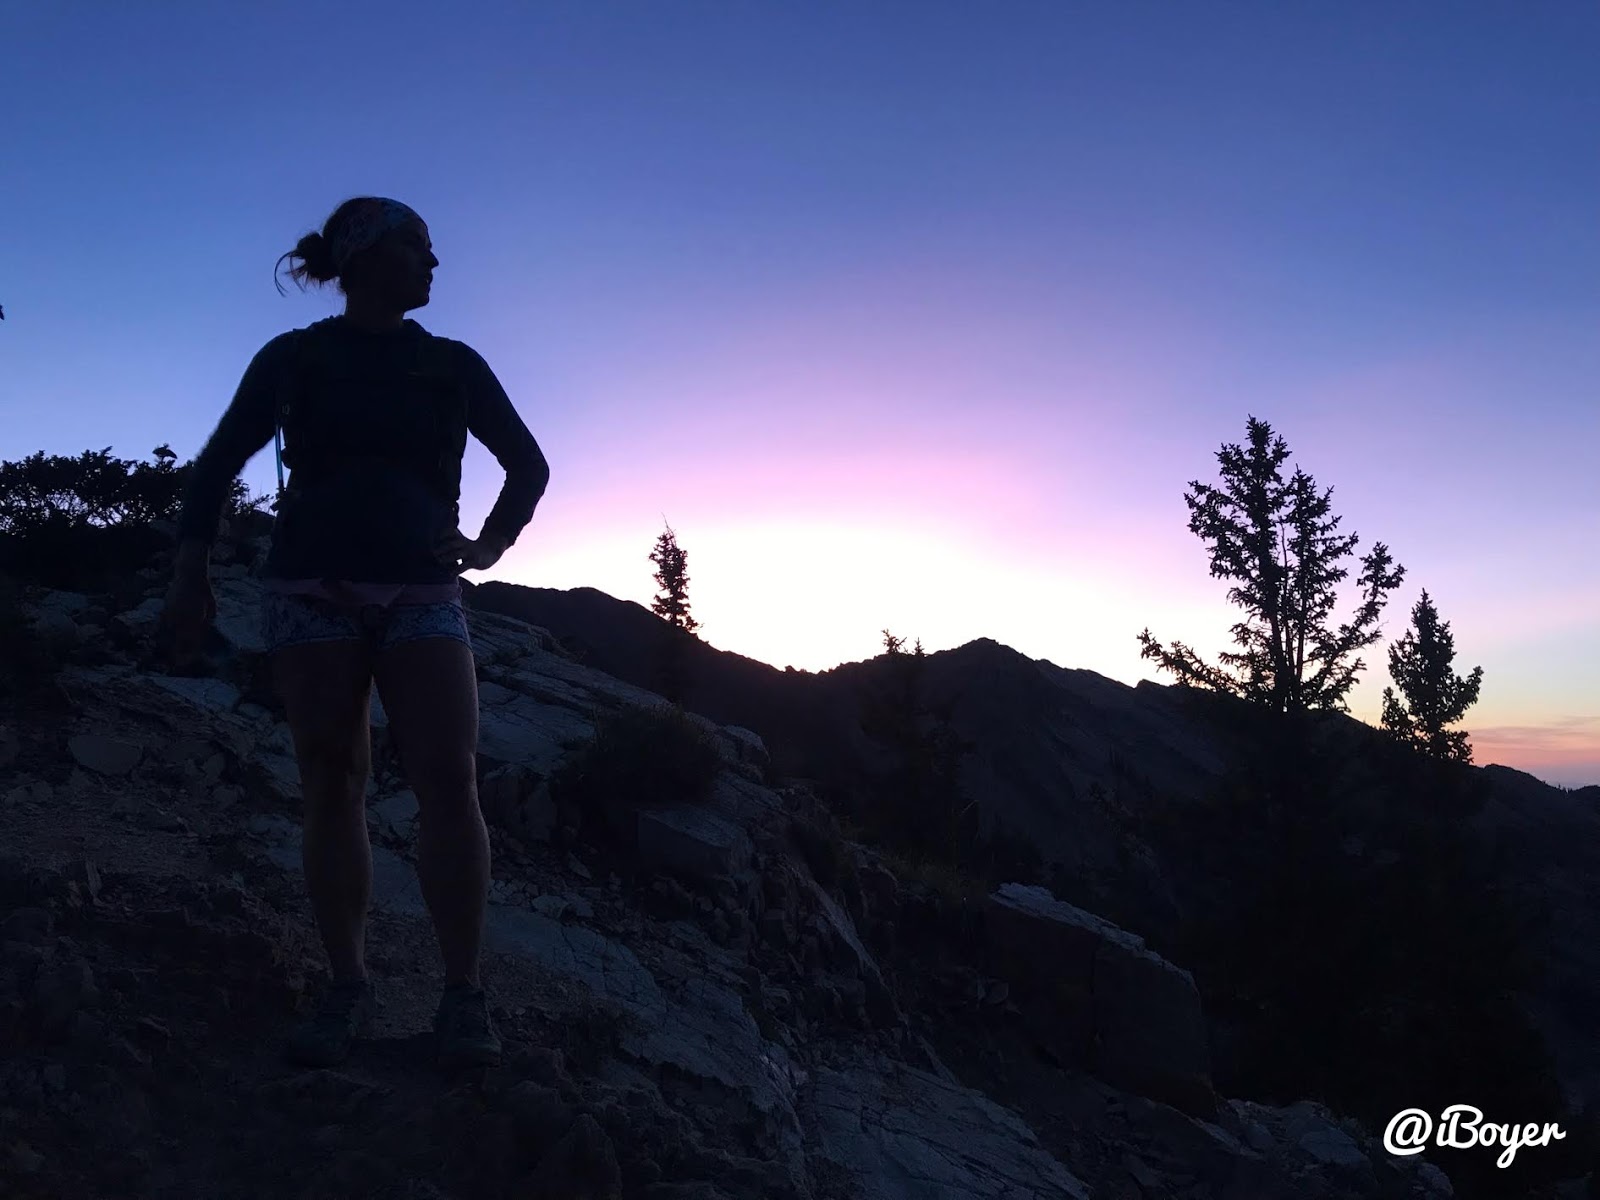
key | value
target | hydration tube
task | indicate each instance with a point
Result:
(277, 446)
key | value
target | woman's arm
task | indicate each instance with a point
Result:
(245, 427)
(494, 421)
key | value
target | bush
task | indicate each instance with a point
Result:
(955, 886)
(1365, 951)
(639, 757)
(78, 523)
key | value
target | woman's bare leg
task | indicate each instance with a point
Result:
(429, 689)
(326, 689)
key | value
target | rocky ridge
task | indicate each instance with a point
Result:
(688, 1011)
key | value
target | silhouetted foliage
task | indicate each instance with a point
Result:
(672, 577)
(672, 604)
(955, 885)
(1365, 951)
(1277, 540)
(638, 757)
(81, 522)
(1435, 696)
(921, 803)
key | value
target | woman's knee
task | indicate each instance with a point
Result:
(429, 691)
(335, 762)
(333, 779)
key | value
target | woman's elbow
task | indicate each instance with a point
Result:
(532, 475)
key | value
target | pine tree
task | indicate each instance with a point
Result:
(672, 576)
(1279, 542)
(1434, 695)
(672, 604)
(923, 799)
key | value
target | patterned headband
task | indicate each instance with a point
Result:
(363, 225)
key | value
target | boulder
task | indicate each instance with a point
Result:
(71, 603)
(557, 908)
(35, 791)
(751, 749)
(238, 618)
(56, 629)
(1101, 999)
(515, 799)
(104, 755)
(881, 1007)
(1312, 1128)
(692, 843)
(142, 618)
(895, 1131)
(396, 813)
(217, 695)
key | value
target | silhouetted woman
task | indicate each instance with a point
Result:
(362, 586)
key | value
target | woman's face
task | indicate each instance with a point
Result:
(398, 270)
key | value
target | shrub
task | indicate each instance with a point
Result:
(78, 523)
(1357, 976)
(639, 757)
(954, 885)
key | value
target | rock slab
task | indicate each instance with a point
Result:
(1101, 998)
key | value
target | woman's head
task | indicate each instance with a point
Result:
(378, 250)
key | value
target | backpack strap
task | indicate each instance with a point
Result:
(306, 352)
(288, 388)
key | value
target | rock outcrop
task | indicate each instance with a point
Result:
(688, 1013)
(1098, 996)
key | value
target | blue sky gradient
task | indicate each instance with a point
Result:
(941, 304)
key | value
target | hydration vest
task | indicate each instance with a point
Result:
(436, 383)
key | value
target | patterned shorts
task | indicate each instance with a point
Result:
(297, 620)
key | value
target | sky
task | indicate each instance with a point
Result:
(912, 316)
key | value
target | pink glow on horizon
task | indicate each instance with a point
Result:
(997, 457)
(1563, 745)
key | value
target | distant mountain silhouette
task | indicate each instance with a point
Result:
(1046, 734)
(624, 639)
(1086, 767)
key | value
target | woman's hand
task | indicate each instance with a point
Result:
(465, 554)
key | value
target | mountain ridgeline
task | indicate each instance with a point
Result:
(1354, 911)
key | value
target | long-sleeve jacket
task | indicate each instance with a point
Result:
(374, 475)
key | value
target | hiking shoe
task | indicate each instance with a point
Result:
(346, 1009)
(466, 1035)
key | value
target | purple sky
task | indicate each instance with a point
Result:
(911, 315)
